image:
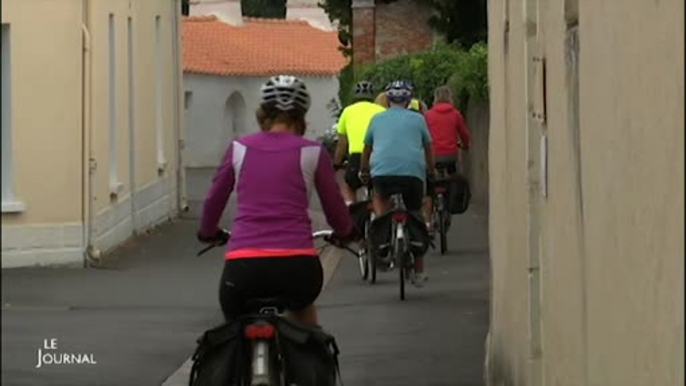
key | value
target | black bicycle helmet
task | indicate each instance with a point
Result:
(364, 89)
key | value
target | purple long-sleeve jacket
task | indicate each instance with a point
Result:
(274, 175)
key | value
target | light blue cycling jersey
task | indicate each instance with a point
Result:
(398, 137)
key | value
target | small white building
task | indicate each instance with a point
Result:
(224, 67)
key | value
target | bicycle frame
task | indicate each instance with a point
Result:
(441, 215)
(400, 242)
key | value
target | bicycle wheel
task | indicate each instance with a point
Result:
(402, 282)
(365, 258)
(443, 233)
(363, 262)
(399, 256)
(441, 223)
(372, 262)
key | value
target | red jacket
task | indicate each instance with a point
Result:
(446, 126)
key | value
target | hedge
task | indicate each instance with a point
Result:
(464, 70)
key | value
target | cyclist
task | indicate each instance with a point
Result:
(352, 126)
(414, 105)
(448, 129)
(399, 147)
(271, 252)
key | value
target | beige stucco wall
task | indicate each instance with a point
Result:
(145, 73)
(52, 144)
(608, 235)
(46, 109)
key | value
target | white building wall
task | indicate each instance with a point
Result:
(219, 108)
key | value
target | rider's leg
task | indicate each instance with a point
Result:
(428, 205)
(352, 179)
(307, 315)
(302, 281)
(379, 196)
(348, 194)
(413, 197)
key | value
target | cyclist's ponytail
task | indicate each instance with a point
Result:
(268, 117)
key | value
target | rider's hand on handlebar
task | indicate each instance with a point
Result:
(364, 176)
(341, 241)
(221, 237)
(431, 173)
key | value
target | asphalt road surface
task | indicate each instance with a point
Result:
(139, 315)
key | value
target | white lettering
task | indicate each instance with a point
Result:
(52, 358)
(48, 359)
(40, 363)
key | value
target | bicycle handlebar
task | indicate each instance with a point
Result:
(326, 235)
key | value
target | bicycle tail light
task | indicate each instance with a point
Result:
(260, 331)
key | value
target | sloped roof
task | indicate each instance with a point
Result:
(259, 47)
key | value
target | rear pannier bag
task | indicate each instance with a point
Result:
(459, 194)
(309, 355)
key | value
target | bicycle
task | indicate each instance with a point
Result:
(441, 216)
(260, 325)
(366, 258)
(401, 254)
(365, 249)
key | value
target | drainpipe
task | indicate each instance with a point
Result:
(91, 253)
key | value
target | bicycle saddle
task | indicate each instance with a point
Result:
(265, 305)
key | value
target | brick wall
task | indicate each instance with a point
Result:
(401, 27)
(363, 35)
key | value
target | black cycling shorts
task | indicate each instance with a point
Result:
(449, 165)
(296, 280)
(411, 188)
(352, 171)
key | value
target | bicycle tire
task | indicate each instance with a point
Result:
(363, 263)
(364, 259)
(441, 223)
(373, 266)
(399, 256)
(402, 282)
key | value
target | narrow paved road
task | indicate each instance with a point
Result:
(140, 316)
(434, 338)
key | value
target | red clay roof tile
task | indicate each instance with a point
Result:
(259, 47)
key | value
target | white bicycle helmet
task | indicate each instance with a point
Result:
(285, 93)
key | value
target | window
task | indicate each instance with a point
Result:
(9, 204)
(115, 184)
(159, 73)
(187, 100)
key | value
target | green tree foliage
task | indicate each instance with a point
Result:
(340, 11)
(460, 21)
(463, 22)
(269, 9)
(464, 70)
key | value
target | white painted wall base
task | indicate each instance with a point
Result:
(64, 244)
(154, 204)
(42, 245)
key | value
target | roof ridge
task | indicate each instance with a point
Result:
(266, 20)
(200, 18)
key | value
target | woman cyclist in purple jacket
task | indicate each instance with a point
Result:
(271, 252)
